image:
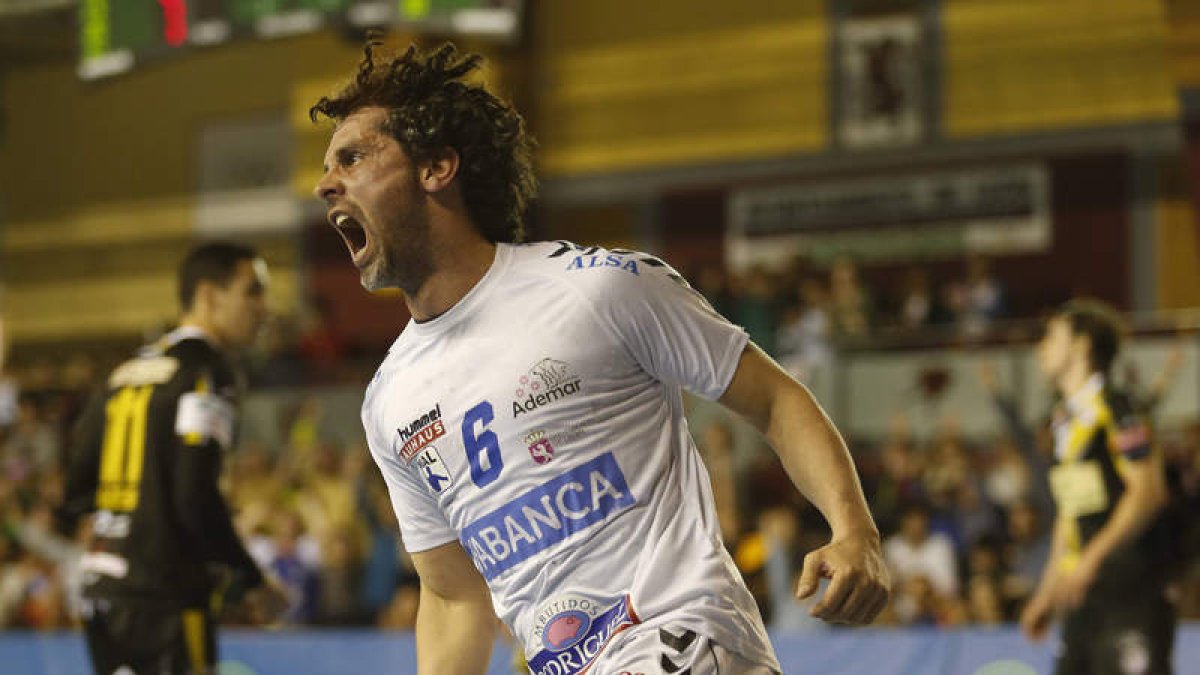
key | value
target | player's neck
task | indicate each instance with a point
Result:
(1074, 379)
(457, 269)
(196, 322)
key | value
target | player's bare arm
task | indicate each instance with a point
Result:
(1144, 498)
(818, 463)
(1038, 612)
(455, 621)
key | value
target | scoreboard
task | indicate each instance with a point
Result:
(116, 35)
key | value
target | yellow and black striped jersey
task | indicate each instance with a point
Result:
(146, 462)
(1098, 434)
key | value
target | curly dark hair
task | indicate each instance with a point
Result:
(430, 109)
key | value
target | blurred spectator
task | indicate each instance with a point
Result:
(9, 398)
(803, 338)
(917, 306)
(32, 445)
(326, 496)
(254, 485)
(1007, 478)
(340, 581)
(43, 604)
(320, 348)
(899, 482)
(1026, 554)
(12, 582)
(915, 552)
(294, 557)
(37, 535)
(79, 373)
(280, 364)
(713, 283)
(1147, 397)
(917, 602)
(785, 551)
(1035, 444)
(947, 469)
(754, 309)
(384, 570)
(40, 375)
(974, 516)
(322, 518)
(978, 300)
(984, 598)
(8, 385)
(303, 429)
(716, 447)
(850, 303)
(985, 603)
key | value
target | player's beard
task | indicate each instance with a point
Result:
(404, 258)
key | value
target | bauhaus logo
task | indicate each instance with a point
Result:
(419, 433)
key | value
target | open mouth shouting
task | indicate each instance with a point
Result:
(353, 233)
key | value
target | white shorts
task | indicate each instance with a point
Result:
(670, 650)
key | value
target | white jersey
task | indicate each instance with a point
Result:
(539, 422)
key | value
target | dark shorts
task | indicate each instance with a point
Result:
(1127, 636)
(149, 639)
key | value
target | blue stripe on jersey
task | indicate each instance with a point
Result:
(547, 515)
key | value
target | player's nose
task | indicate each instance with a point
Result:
(328, 187)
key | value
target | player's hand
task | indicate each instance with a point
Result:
(1072, 587)
(1036, 616)
(268, 602)
(859, 582)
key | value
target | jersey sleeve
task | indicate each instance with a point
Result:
(201, 417)
(83, 465)
(422, 524)
(1130, 434)
(670, 329)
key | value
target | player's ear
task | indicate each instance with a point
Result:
(438, 172)
(1081, 344)
(205, 297)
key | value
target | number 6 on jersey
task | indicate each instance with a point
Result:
(483, 450)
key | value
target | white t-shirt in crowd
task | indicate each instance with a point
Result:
(539, 422)
(933, 559)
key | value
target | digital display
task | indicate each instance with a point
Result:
(117, 35)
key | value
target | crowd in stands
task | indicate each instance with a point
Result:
(798, 312)
(965, 520)
(966, 524)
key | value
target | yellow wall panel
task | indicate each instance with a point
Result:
(109, 306)
(1016, 66)
(112, 223)
(724, 84)
(1184, 21)
(90, 167)
(1178, 252)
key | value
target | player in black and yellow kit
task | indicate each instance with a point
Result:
(1109, 569)
(146, 463)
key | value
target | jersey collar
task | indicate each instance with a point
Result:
(188, 333)
(468, 304)
(1083, 398)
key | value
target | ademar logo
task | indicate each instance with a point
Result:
(549, 380)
